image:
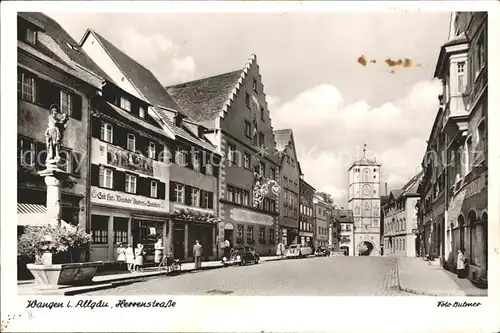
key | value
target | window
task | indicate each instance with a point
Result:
(30, 36)
(248, 129)
(26, 87)
(460, 77)
(120, 230)
(480, 53)
(246, 160)
(246, 197)
(249, 232)
(179, 193)
(130, 183)
(154, 189)
(231, 153)
(230, 193)
(237, 196)
(481, 137)
(403, 244)
(131, 142)
(262, 234)
(142, 112)
(66, 102)
(125, 104)
(209, 169)
(152, 150)
(240, 231)
(272, 173)
(206, 200)
(180, 157)
(262, 168)
(292, 162)
(271, 236)
(196, 161)
(255, 85)
(107, 132)
(261, 140)
(285, 181)
(247, 100)
(105, 177)
(99, 229)
(27, 152)
(195, 197)
(262, 113)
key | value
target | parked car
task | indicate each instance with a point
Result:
(322, 252)
(298, 251)
(241, 255)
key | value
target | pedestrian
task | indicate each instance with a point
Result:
(121, 254)
(227, 247)
(129, 254)
(139, 257)
(197, 250)
(158, 252)
(280, 250)
(461, 264)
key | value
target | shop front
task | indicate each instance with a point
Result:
(306, 237)
(121, 218)
(244, 226)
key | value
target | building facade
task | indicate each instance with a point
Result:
(233, 108)
(322, 222)
(364, 201)
(288, 223)
(52, 70)
(306, 212)
(344, 218)
(399, 215)
(456, 158)
(185, 207)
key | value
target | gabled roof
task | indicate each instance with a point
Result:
(141, 77)
(65, 49)
(395, 194)
(343, 215)
(364, 161)
(209, 98)
(204, 99)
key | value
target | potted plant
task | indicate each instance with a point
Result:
(41, 243)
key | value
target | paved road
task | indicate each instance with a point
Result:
(325, 276)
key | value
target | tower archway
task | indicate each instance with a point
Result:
(366, 248)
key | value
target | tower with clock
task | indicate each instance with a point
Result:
(364, 201)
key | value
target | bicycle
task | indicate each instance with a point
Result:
(169, 264)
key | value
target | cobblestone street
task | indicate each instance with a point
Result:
(324, 276)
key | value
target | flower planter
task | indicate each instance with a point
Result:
(64, 274)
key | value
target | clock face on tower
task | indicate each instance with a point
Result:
(366, 190)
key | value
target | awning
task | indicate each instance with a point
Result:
(34, 214)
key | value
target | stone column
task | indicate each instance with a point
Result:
(186, 241)
(52, 176)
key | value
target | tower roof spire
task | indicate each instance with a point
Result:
(364, 150)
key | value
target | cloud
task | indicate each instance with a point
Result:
(329, 134)
(159, 54)
(272, 100)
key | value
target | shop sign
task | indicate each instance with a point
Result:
(107, 197)
(242, 215)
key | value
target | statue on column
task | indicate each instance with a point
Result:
(54, 133)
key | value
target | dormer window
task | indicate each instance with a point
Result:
(30, 36)
(178, 120)
(125, 104)
(142, 112)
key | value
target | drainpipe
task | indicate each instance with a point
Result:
(89, 166)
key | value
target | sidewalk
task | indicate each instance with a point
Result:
(419, 277)
(114, 280)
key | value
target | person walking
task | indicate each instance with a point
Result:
(280, 251)
(121, 257)
(158, 252)
(461, 264)
(197, 251)
(129, 255)
(227, 247)
(139, 257)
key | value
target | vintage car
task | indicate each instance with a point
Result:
(298, 251)
(241, 255)
(322, 252)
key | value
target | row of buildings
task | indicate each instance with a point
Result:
(444, 208)
(194, 161)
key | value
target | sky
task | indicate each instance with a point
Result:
(325, 76)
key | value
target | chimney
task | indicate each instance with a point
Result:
(386, 189)
(178, 119)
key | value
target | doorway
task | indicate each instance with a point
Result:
(365, 248)
(179, 244)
